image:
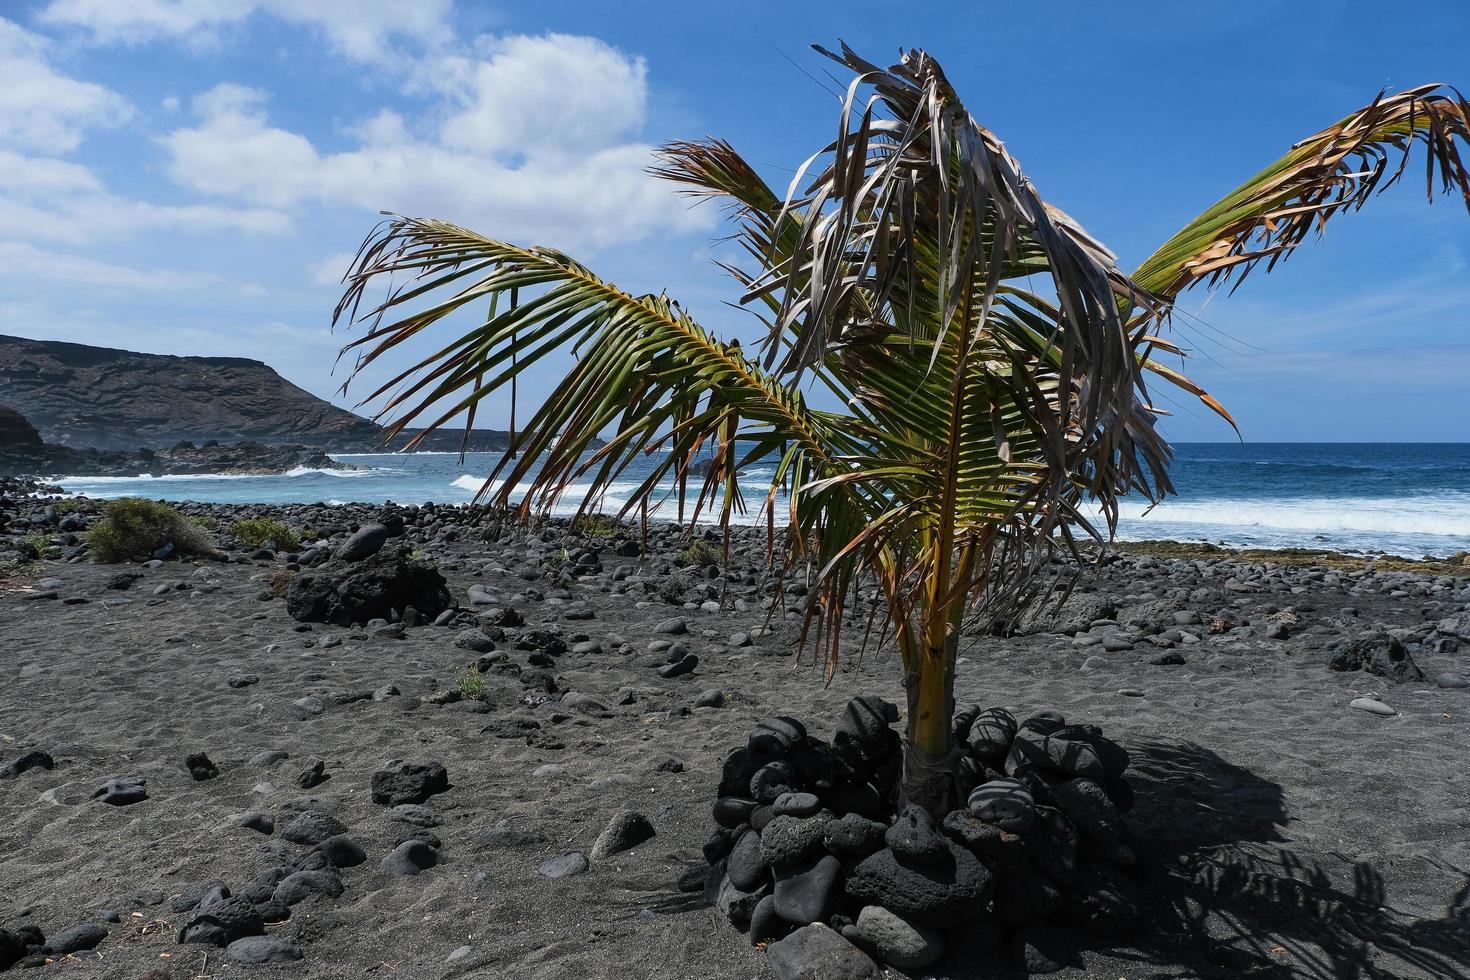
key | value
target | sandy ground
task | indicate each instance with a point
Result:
(1284, 833)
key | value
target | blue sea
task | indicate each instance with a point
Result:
(1410, 499)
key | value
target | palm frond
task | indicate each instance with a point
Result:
(1334, 172)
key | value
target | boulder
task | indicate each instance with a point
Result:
(381, 586)
(815, 952)
(940, 894)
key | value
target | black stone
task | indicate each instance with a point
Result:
(410, 858)
(790, 840)
(341, 852)
(35, 759)
(221, 923)
(1054, 846)
(866, 719)
(365, 542)
(853, 835)
(732, 811)
(772, 780)
(913, 837)
(807, 892)
(684, 666)
(300, 885)
(765, 925)
(817, 953)
(939, 894)
(378, 587)
(122, 791)
(408, 782)
(747, 865)
(75, 939)
(12, 950)
(312, 827)
(990, 735)
(1002, 850)
(1086, 804)
(1006, 803)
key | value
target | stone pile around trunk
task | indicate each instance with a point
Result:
(806, 838)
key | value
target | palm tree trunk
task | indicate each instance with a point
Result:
(928, 763)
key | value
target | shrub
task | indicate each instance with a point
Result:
(131, 527)
(279, 581)
(256, 531)
(471, 684)
(595, 526)
(558, 559)
(702, 553)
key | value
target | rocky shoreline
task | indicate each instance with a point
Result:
(235, 459)
(519, 783)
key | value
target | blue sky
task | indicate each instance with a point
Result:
(191, 176)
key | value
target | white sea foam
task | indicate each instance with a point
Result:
(1446, 514)
(147, 478)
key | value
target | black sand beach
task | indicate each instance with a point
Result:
(1281, 830)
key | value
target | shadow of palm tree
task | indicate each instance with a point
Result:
(1227, 898)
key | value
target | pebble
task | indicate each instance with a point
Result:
(122, 791)
(1452, 679)
(410, 858)
(312, 827)
(796, 805)
(626, 830)
(674, 627)
(75, 939)
(415, 814)
(256, 820)
(408, 782)
(1004, 803)
(899, 942)
(815, 952)
(565, 866)
(313, 775)
(684, 665)
(914, 837)
(262, 950)
(807, 892)
(35, 759)
(1372, 706)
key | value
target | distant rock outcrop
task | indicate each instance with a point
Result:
(16, 432)
(113, 399)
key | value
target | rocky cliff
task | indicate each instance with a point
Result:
(113, 399)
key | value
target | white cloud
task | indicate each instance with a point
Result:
(41, 109)
(43, 176)
(330, 270)
(80, 219)
(536, 145)
(360, 29)
(23, 264)
(556, 93)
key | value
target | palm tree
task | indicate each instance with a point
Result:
(992, 360)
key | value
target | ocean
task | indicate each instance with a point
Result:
(1410, 499)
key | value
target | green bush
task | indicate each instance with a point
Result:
(595, 526)
(256, 531)
(131, 527)
(702, 553)
(471, 685)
